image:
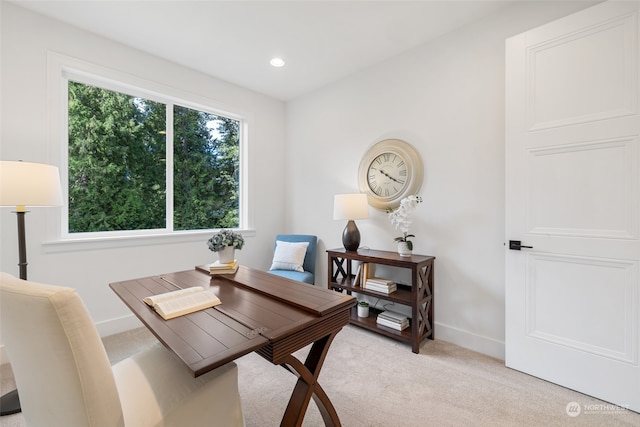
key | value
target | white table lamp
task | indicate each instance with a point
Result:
(350, 207)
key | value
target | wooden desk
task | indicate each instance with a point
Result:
(261, 312)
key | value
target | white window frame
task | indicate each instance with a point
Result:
(61, 69)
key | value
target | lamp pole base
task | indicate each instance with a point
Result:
(22, 245)
(10, 403)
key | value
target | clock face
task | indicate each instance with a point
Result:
(389, 171)
(387, 175)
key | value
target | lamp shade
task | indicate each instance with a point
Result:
(350, 206)
(29, 184)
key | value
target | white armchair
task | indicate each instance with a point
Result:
(64, 377)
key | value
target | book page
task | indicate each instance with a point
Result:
(186, 304)
(155, 299)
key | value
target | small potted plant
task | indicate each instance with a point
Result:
(401, 219)
(363, 309)
(225, 242)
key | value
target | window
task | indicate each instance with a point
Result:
(146, 163)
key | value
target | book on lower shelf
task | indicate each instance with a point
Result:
(393, 320)
(379, 284)
(184, 301)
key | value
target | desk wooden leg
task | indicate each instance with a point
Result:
(308, 387)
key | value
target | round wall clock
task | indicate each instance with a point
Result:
(390, 171)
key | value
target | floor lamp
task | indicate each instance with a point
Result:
(25, 184)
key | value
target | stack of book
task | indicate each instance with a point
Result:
(393, 320)
(220, 268)
(380, 285)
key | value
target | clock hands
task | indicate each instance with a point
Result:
(389, 176)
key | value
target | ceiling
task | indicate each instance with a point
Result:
(321, 41)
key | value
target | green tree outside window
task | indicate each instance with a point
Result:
(117, 164)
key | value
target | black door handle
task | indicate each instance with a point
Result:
(516, 245)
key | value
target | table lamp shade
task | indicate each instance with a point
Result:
(350, 206)
(29, 184)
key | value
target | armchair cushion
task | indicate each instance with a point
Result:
(299, 276)
(289, 256)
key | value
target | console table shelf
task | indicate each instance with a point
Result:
(418, 295)
(370, 324)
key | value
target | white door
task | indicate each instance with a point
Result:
(572, 194)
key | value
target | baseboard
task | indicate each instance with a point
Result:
(484, 345)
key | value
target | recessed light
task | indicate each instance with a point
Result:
(277, 62)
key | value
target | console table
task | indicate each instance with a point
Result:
(261, 312)
(418, 294)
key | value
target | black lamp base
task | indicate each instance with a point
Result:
(10, 403)
(351, 236)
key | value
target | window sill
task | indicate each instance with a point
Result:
(112, 242)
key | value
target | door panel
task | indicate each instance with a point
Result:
(554, 282)
(558, 205)
(573, 195)
(593, 67)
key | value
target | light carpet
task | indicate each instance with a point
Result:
(374, 381)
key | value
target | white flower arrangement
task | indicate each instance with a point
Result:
(224, 238)
(401, 218)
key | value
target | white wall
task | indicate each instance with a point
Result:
(26, 40)
(446, 98)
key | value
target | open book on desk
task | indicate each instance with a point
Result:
(184, 301)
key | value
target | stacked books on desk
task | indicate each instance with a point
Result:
(378, 284)
(222, 268)
(393, 320)
(183, 301)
